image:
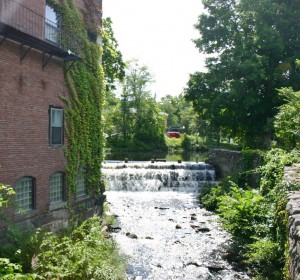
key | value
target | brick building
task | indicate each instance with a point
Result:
(32, 69)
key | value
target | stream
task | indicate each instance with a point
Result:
(161, 228)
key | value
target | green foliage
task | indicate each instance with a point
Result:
(257, 218)
(210, 196)
(85, 254)
(6, 267)
(193, 143)
(12, 271)
(181, 113)
(273, 169)
(137, 119)
(242, 213)
(287, 121)
(254, 46)
(18, 247)
(265, 257)
(174, 144)
(83, 109)
(112, 59)
(6, 193)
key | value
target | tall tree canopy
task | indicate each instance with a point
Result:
(138, 121)
(252, 47)
(112, 60)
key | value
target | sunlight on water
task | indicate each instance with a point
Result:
(166, 234)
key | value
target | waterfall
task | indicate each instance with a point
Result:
(160, 226)
(158, 176)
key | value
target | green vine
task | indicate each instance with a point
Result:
(83, 110)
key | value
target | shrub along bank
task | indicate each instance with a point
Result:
(83, 252)
(256, 218)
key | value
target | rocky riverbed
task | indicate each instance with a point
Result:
(167, 235)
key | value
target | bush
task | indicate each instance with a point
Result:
(242, 212)
(11, 271)
(265, 257)
(257, 218)
(85, 254)
(174, 144)
(210, 196)
(193, 143)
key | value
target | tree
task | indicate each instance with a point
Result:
(112, 59)
(140, 118)
(251, 46)
(287, 122)
(114, 70)
(169, 105)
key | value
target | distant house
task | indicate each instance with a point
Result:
(33, 60)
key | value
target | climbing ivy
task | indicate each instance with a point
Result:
(83, 109)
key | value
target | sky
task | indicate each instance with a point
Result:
(159, 34)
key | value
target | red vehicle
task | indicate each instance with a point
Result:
(173, 134)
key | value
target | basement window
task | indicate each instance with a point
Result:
(57, 187)
(25, 194)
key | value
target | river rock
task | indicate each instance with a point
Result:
(203, 230)
(105, 231)
(114, 228)
(148, 237)
(193, 263)
(215, 267)
(131, 235)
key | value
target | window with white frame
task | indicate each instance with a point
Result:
(57, 187)
(56, 136)
(24, 194)
(81, 187)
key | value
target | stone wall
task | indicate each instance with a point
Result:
(292, 176)
(226, 162)
(234, 163)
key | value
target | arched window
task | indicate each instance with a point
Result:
(57, 187)
(25, 194)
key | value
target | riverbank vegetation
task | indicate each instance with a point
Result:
(248, 98)
(250, 93)
(256, 217)
(80, 252)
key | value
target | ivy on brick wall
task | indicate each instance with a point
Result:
(84, 105)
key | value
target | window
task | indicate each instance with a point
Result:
(92, 36)
(56, 187)
(56, 126)
(81, 188)
(24, 194)
(52, 30)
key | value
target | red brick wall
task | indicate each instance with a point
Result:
(27, 16)
(26, 93)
